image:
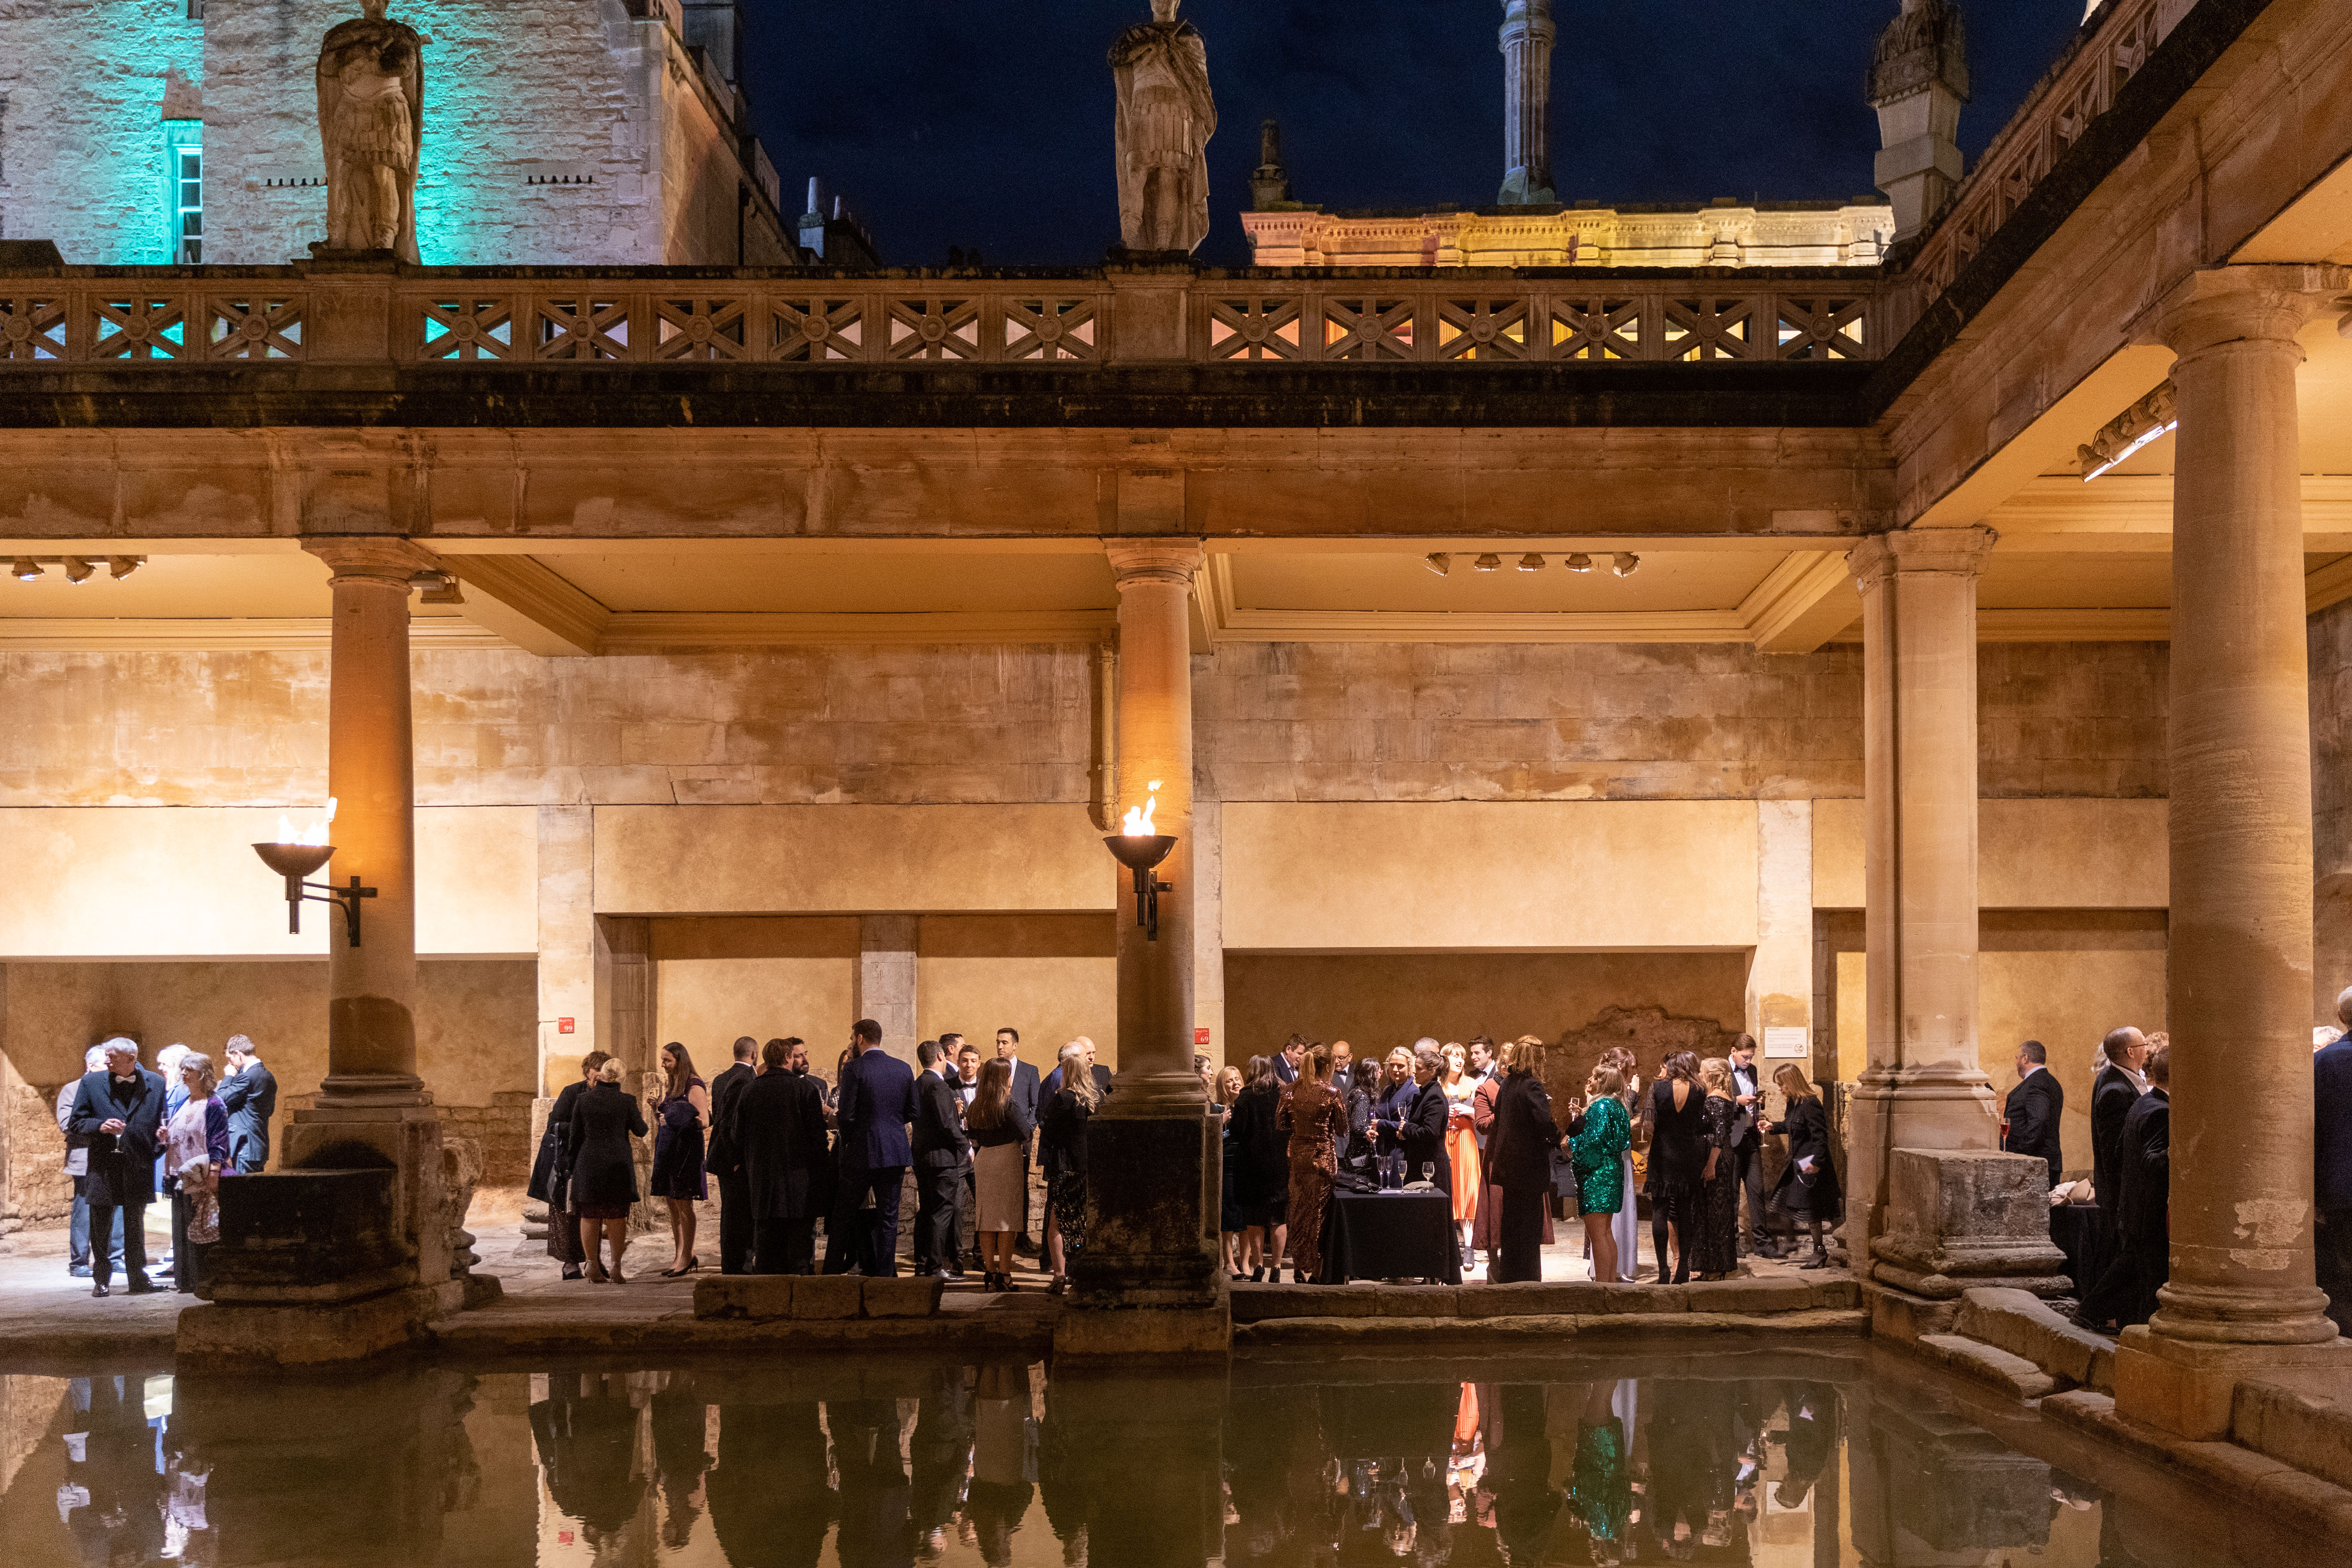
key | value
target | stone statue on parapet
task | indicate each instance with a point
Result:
(1166, 116)
(370, 81)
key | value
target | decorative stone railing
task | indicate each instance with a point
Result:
(2115, 49)
(343, 315)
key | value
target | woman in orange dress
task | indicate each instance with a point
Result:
(1462, 1143)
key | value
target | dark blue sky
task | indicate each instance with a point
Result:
(987, 122)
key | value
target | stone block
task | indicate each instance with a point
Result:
(1988, 1364)
(1417, 1300)
(1752, 1296)
(1144, 1334)
(1960, 1218)
(1528, 1301)
(903, 1298)
(827, 1297)
(1899, 1315)
(2019, 1322)
(2295, 1428)
(308, 1236)
(755, 1297)
(2190, 1389)
(1838, 1294)
(1642, 1300)
(1151, 1185)
(258, 1338)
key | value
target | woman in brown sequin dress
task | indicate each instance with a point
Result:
(1316, 1116)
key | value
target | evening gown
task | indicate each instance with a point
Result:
(1462, 1147)
(1316, 1116)
(1676, 1157)
(1602, 1139)
(1714, 1240)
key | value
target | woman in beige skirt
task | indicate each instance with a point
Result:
(1000, 1137)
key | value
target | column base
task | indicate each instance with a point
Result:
(254, 1338)
(1143, 1333)
(2187, 1388)
(407, 1138)
(1153, 1190)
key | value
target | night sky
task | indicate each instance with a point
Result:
(987, 123)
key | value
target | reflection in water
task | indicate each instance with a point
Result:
(882, 1464)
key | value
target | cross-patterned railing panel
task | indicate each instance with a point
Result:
(603, 320)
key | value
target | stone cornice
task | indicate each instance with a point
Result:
(377, 557)
(1164, 561)
(1951, 551)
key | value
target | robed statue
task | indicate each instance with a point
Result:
(1165, 119)
(372, 124)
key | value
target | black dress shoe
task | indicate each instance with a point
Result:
(139, 1286)
(99, 1290)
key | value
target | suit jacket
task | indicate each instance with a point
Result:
(1744, 1135)
(2144, 1172)
(777, 1122)
(877, 1101)
(2331, 1154)
(1052, 1086)
(122, 1164)
(1283, 1070)
(250, 1098)
(1423, 1136)
(1390, 1106)
(1024, 1090)
(77, 1146)
(1519, 1156)
(2034, 1109)
(2113, 1094)
(722, 1158)
(940, 1144)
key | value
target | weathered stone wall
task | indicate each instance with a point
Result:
(82, 133)
(1665, 721)
(608, 113)
(2329, 642)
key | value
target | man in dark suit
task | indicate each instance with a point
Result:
(1343, 1067)
(1747, 1143)
(120, 1110)
(1095, 1070)
(2331, 1166)
(875, 1102)
(2143, 1205)
(776, 1125)
(725, 1160)
(250, 1095)
(2114, 1092)
(1026, 1096)
(1287, 1061)
(2033, 1109)
(940, 1149)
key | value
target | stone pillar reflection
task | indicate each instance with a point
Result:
(1923, 1087)
(371, 746)
(1148, 1280)
(2238, 970)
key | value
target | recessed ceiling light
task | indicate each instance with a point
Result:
(78, 570)
(1578, 563)
(1488, 564)
(1530, 562)
(1626, 565)
(25, 569)
(1440, 563)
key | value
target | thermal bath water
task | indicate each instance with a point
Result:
(1760, 1457)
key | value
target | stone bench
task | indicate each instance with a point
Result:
(814, 1298)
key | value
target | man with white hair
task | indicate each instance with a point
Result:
(1078, 1049)
(78, 1167)
(119, 1110)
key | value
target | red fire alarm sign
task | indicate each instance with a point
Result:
(1200, 1036)
(564, 1026)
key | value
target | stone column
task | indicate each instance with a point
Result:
(1148, 1281)
(2238, 971)
(886, 980)
(1923, 1087)
(1780, 975)
(1527, 35)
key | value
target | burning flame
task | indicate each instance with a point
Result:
(315, 835)
(1137, 823)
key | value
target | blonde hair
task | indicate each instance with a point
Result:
(1524, 1055)
(1075, 1078)
(1606, 1082)
(610, 1071)
(1791, 1079)
(1714, 1073)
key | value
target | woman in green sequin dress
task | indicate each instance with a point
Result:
(1600, 1137)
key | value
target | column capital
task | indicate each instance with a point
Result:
(2224, 305)
(1953, 552)
(386, 556)
(1156, 560)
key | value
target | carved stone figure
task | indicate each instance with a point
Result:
(1166, 117)
(372, 124)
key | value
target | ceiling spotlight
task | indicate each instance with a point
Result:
(1530, 562)
(78, 570)
(437, 588)
(1578, 563)
(1488, 564)
(25, 569)
(1440, 563)
(122, 566)
(1626, 566)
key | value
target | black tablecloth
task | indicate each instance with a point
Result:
(1390, 1235)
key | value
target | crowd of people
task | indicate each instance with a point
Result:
(132, 1133)
(789, 1152)
(1477, 1123)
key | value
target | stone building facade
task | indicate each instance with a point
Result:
(611, 132)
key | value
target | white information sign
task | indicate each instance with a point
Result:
(1786, 1042)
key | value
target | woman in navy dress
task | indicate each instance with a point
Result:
(681, 1117)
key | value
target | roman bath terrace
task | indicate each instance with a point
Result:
(1850, 640)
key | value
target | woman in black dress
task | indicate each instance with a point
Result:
(1061, 1151)
(1808, 1190)
(1714, 1248)
(1262, 1168)
(603, 1170)
(550, 1173)
(1677, 1160)
(681, 1118)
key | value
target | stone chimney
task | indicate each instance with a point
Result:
(1527, 35)
(1269, 181)
(1919, 80)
